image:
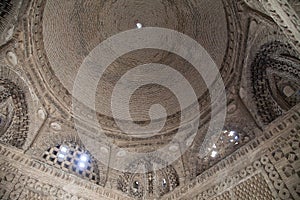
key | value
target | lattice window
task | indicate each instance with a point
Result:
(167, 180)
(229, 140)
(74, 159)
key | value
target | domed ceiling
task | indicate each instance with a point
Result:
(72, 29)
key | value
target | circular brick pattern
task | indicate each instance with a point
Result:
(82, 26)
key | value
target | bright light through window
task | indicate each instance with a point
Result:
(60, 156)
(139, 25)
(164, 182)
(231, 133)
(214, 153)
(81, 165)
(84, 158)
(63, 149)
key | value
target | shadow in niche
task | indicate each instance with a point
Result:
(5, 8)
(6, 115)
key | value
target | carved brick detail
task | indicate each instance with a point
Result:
(274, 59)
(13, 114)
